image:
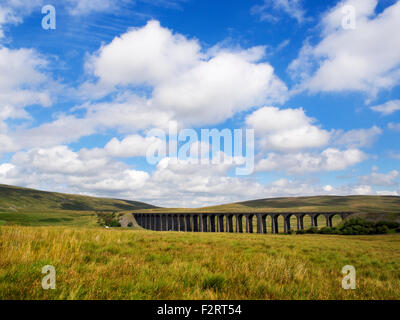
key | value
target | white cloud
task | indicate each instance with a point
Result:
(218, 88)
(6, 17)
(267, 11)
(380, 179)
(13, 12)
(58, 159)
(93, 172)
(22, 83)
(195, 86)
(357, 138)
(286, 129)
(131, 146)
(365, 59)
(362, 190)
(330, 159)
(128, 115)
(146, 55)
(59, 166)
(387, 193)
(388, 107)
(21, 68)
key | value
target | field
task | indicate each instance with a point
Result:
(96, 263)
(43, 228)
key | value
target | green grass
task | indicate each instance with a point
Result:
(17, 198)
(39, 228)
(96, 263)
(24, 206)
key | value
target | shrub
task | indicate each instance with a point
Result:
(312, 230)
(327, 230)
(357, 226)
(389, 224)
(382, 229)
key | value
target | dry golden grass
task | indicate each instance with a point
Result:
(133, 264)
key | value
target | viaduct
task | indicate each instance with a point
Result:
(223, 222)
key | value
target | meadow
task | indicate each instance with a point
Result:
(99, 263)
(40, 228)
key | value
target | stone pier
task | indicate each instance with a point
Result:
(230, 222)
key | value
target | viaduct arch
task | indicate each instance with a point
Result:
(224, 222)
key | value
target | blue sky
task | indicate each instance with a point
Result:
(317, 81)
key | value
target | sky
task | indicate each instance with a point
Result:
(317, 81)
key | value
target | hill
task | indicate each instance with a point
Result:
(33, 207)
(370, 207)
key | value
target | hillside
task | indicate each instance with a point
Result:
(33, 207)
(370, 207)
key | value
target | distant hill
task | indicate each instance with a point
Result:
(370, 207)
(33, 207)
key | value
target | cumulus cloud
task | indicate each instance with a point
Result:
(330, 159)
(380, 179)
(88, 170)
(22, 83)
(195, 85)
(128, 115)
(286, 129)
(357, 138)
(365, 59)
(13, 11)
(94, 172)
(132, 146)
(387, 108)
(148, 55)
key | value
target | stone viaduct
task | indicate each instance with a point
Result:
(223, 222)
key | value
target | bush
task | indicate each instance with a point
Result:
(327, 230)
(357, 226)
(107, 219)
(312, 230)
(389, 224)
(115, 223)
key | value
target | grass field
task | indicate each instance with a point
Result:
(39, 228)
(97, 263)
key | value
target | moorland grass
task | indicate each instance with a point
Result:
(95, 263)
